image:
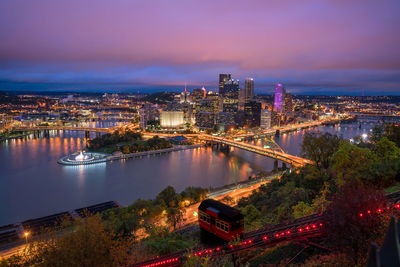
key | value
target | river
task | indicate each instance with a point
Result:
(32, 184)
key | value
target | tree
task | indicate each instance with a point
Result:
(126, 150)
(251, 217)
(356, 217)
(392, 132)
(123, 221)
(377, 133)
(320, 147)
(353, 164)
(302, 209)
(87, 244)
(174, 216)
(169, 196)
(386, 168)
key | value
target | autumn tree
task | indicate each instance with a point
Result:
(356, 217)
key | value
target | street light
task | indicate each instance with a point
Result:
(26, 234)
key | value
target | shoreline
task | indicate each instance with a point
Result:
(111, 158)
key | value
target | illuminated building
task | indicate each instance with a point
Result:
(231, 88)
(185, 95)
(275, 119)
(198, 94)
(246, 94)
(242, 99)
(171, 119)
(265, 120)
(252, 112)
(288, 103)
(230, 96)
(225, 121)
(223, 78)
(249, 89)
(279, 99)
(147, 113)
(185, 107)
(209, 104)
(230, 105)
(205, 120)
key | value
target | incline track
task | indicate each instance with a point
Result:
(298, 229)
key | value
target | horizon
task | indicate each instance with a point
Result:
(128, 88)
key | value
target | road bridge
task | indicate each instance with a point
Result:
(289, 128)
(64, 128)
(276, 154)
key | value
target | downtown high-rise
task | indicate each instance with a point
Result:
(249, 89)
(223, 78)
(279, 99)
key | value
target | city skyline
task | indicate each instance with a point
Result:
(314, 48)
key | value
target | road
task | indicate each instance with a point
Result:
(190, 213)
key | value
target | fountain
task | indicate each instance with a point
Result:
(83, 158)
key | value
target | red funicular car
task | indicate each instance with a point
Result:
(220, 219)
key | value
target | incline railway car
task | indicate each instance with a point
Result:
(220, 219)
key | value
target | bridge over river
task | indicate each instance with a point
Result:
(269, 152)
(65, 128)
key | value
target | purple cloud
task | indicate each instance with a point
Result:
(172, 42)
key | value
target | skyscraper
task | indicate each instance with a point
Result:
(288, 103)
(279, 100)
(252, 112)
(249, 89)
(198, 94)
(230, 96)
(223, 78)
(265, 120)
(231, 87)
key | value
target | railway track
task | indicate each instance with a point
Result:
(298, 229)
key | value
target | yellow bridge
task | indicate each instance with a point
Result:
(280, 155)
(276, 154)
(65, 128)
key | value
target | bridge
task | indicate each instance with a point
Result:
(289, 128)
(272, 153)
(269, 152)
(65, 128)
(276, 153)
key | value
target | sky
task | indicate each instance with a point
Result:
(349, 47)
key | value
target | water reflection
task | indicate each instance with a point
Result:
(32, 184)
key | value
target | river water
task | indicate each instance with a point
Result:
(32, 184)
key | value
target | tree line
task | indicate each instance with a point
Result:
(346, 180)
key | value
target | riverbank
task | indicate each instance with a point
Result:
(13, 135)
(65, 160)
